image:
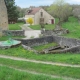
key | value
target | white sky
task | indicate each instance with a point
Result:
(27, 3)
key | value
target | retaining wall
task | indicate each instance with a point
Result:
(13, 32)
(66, 42)
(37, 41)
(55, 32)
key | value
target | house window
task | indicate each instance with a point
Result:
(41, 14)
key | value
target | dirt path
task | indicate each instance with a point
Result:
(29, 32)
(36, 61)
(37, 73)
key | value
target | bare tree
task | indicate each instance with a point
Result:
(76, 13)
(61, 10)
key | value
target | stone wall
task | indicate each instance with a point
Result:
(55, 32)
(13, 32)
(62, 41)
(37, 41)
(75, 49)
(68, 44)
(3, 17)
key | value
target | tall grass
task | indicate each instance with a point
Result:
(11, 74)
(43, 68)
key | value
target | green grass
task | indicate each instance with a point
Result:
(42, 47)
(43, 68)
(74, 29)
(35, 27)
(73, 26)
(38, 27)
(15, 26)
(11, 74)
(3, 38)
(64, 58)
(72, 19)
(49, 27)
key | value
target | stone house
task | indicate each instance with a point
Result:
(37, 14)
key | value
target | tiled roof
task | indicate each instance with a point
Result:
(33, 11)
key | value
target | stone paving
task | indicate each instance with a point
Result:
(30, 33)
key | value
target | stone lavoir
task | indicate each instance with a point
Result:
(64, 44)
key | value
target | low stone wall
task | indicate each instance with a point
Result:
(75, 49)
(37, 41)
(66, 42)
(69, 44)
(55, 32)
(13, 32)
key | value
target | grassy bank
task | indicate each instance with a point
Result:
(47, 27)
(11, 74)
(15, 26)
(43, 68)
(73, 26)
(64, 58)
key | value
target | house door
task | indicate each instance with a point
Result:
(52, 21)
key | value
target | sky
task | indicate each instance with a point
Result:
(28, 3)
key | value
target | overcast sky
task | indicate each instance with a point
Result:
(28, 3)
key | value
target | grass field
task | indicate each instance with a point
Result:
(3, 38)
(42, 47)
(15, 26)
(12, 74)
(47, 27)
(63, 58)
(43, 68)
(73, 26)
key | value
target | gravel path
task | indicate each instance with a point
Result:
(30, 33)
(36, 61)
